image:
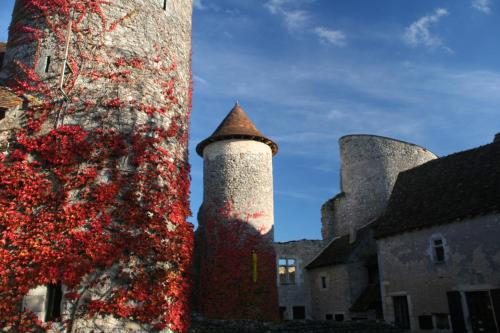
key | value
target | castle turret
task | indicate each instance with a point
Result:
(97, 164)
(237, 261)
(370, 165)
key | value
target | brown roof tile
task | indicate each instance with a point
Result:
(445, 190)
(236, 125)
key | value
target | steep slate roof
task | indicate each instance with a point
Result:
(236, 125)
(449, 189)
(337, 252)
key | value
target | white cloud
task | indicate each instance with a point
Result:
(294, 17)
(334, 37)
(418, 33)
(482, 5)
(198, 4)
(199, 79)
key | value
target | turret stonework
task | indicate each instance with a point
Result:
(95, 164)
(369, 168)
(237, 261)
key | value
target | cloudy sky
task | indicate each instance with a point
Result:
(310, 71)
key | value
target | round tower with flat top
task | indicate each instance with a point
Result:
(237, 260)
(95, 101)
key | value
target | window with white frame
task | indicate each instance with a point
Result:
(438, 249)
(287, 267)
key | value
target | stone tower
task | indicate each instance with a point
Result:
(369, 167)
(237, 260)
(95, 103)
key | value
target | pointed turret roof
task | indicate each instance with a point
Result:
(236, 125)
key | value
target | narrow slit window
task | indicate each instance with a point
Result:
(47, 64)
(165, 4)
(323, 282)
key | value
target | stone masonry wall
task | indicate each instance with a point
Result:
(407, 267)
(111, 139)
(369, 168)
(240, 172)
(298, 293)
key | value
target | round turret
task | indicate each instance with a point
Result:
(236, 222)
(370, 165)
(238, 169)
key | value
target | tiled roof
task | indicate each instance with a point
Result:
(337, 252)
(339, 249)
(236, 125)
(8, 99)
(449, 189)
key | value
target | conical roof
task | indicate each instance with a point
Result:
(236, 125)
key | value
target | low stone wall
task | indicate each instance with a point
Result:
(246, 326)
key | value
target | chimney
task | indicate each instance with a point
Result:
(497, 138)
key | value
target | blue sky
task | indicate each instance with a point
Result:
(309, 71)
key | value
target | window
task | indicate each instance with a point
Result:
(47, 64)
(329, 316)
(339, 317)
(165, 4)
(299, 312)
(3, 111)
(54, 298)
(425, 322)
(323, 282)
(438, 246)
(286, 270)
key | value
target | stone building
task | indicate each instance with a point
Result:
(236, 260)
(122, 68)
(344, 284)
(439, 244)
(294, 282)
(344, 279)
